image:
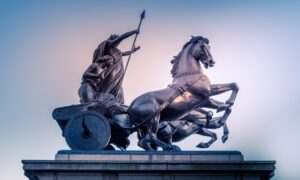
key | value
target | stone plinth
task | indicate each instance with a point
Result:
(134, 165)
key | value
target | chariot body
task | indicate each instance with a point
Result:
(90, 126)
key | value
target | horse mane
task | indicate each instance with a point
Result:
(176, 59)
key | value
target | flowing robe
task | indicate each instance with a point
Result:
(113, 76)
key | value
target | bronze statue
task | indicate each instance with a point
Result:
(92, 77)
(113, 76)
(103, 78)
(161, 117)
(189, 90)
(195, 122)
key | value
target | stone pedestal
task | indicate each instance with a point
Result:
(136, 165)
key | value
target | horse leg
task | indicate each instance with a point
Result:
(208, 133)
(225, 128)
(169, 141)
(219, 122)
(225, 116)
(151, 139)
(225, 133)
(221, 88)
(214, 104)
(141, 133)
(165, 132)
(148, 138)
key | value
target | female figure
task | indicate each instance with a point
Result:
(113, 76)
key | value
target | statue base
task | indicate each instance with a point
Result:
(136, 165)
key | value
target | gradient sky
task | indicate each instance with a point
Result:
(46, 45)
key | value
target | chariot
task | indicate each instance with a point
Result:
(87, 128)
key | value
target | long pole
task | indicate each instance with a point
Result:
(133, 45)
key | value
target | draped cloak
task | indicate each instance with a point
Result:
(113, 76)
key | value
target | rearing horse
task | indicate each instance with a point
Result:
(190, 89)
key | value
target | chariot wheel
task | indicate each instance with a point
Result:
(88, 131)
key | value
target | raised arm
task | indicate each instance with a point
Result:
(127, 53)
(124, 36)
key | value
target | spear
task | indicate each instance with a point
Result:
(133, 45)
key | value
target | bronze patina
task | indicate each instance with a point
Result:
(102, 121)
(190, 90)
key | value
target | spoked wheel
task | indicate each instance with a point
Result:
(88, 131)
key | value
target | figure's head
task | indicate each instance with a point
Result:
(201, 51)
(113, 37)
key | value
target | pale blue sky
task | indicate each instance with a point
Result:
(46, 45)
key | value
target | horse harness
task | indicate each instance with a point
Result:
(179, 90)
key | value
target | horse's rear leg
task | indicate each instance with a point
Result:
(165, 134)
(208, 133)
(151, 139)
(146, 142)
(221, 88)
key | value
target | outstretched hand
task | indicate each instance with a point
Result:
(137, 31)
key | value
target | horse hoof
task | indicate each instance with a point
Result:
(149, 147)
(202, 145)
(175, 148)
(172, 148)
(143, 144)
(229, 103)
(224, 138)
(223, 107)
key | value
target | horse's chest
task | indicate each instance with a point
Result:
(183, 103)
(184, 98)
(201, 89)
(179, 107)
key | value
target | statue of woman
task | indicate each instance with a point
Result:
(102, 83)
(113, 76)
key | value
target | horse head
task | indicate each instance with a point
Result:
(201, 51)
(193, 52)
